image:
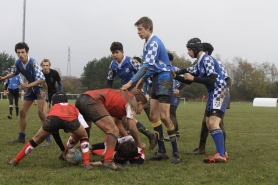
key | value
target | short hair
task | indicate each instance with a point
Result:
(146, 22)
(207, 47)
(139, 96)
(116, 46)
(138, 59)
(170, 55)
(46, 60)
(127, 150)
(21, 45)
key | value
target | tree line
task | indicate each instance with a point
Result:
(249, 80)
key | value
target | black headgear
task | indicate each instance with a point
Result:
(59, 97)
(196, 45)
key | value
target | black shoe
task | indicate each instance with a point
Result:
(10, 117)
(17, 141)
(197, 151)
(153, 142)
(159, 156)
(176, 158)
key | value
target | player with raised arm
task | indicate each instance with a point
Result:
(36, 86)
(156, 63)
(126, 67)
(12, 86)
(62, 115)
(100, 106)
(211, 73)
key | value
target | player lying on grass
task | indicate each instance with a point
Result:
(126, 152)
(62, 115)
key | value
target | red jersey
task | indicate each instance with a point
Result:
(115, 101)
(64, 111)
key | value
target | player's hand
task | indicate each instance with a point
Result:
(176, 92)
(141, 145)
(1, 78)
(173, 74)
(188, 76)
(126, 86)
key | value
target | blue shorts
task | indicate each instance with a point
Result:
(162, 84)
(175, 100)
(36, 93)
(218, 99)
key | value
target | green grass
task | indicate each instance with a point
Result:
(251, 142)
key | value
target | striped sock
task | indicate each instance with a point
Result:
(158, 130)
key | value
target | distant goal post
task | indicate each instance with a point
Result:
(183, 99)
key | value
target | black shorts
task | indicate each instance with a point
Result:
(52, 124)
(90, 108)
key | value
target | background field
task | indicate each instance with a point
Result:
(251, 143)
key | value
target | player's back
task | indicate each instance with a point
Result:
(65, 111)
(114, 100)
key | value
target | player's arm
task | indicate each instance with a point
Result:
(134, 131)
(39, 77)
(120, 126)
(59, 81)
(208, 81)
(7, 77)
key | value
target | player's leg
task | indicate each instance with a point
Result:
(84, 142)
(158, 129)
(173, 117)
(151, 136)
(107, 125)
(11, 97)
(213, 125)
(16, 98)
(93, 111)
(22, 121)
(203, 137)
(217, 107)
(29, 147)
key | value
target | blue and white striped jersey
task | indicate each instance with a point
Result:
(125, 70)
(155, 55)
(176, 83)
(32, 71)
(206, 66)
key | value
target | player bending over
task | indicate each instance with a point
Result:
(62, 115)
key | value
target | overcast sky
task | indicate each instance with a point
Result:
(238, 28)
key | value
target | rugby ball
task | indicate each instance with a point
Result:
(74, 156)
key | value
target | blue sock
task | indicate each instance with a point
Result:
(48, 139)
(158, 130)
(21, 136)
(218, 139)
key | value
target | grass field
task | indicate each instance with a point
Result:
(251, 143)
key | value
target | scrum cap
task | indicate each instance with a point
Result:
(196, 45)
(59, 97)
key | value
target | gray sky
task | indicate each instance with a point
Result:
(238, 28)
